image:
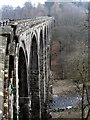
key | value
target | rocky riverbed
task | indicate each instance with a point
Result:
(67, 101)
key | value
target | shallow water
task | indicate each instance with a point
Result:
(66, 101)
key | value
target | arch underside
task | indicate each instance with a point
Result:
(23, 87)
(34, 81)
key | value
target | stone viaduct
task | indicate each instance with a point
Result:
(27, 84)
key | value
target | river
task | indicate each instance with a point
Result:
(66, 101)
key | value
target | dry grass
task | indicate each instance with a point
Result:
(63, 86)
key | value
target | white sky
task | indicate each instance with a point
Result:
(20, 3)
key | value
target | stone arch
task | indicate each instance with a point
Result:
(42, 85)
(34, 34)
(47, 31)
(26, 56)
(23, 86)
(34, 80)
(45, 35)
(41, 50)
(45, 62)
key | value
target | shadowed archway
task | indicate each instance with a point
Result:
(23, 87)
(34, 81)
(42, 82)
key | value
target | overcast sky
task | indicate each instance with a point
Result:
(16, 3)
(20, 3)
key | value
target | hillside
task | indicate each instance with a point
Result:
(70, 39)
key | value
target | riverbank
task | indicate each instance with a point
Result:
(65, 87)
(68, 113)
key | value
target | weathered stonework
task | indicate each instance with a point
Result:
(27, 75)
